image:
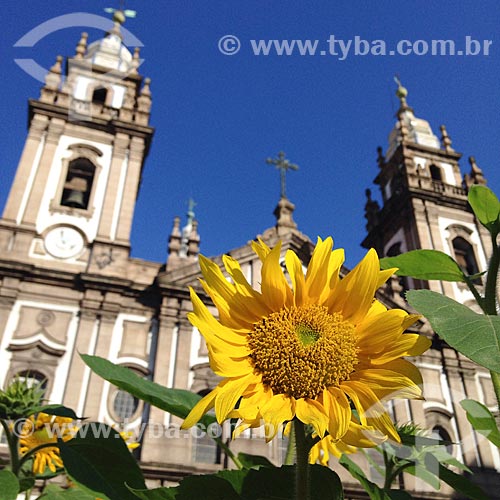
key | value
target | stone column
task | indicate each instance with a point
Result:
(38, 126)
(56, 128)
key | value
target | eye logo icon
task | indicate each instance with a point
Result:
(76, 19)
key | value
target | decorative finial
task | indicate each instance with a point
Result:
(445, 139)
(190, 212)
(380, 157)
(135, 60)
(476, 174)
(401, 91)
(53, 77)
(81, 48)
(146, 89)
(120, 15)
(282, 165)
(372, 209)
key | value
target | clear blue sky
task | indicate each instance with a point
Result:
(219, 117)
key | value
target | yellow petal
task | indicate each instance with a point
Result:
(230, 391)
(243, 288)
(205, 404)
(317, 271)
(311, 412)
(389, 384)
(225, 366)
(250, 406)
(261, 249)
(275, 412)
(237, 304)
(338, 410)
(363, 437)
(294, 268)
(370, 410)
(243, 426)
(408, 344)
(377, 331)
(275, 289)
(354, 294)
(215, 333)
(337, 258)
(383, 276)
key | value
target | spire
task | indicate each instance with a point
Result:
(135, 60)
(53, 81)
(380, 157)
(401, 93)
(144, 103)
(409, 128)
(372, 209)
(174, 241)
(284, 216)
(282, 164)
(445, 139)
(109, 52)
(476, 174)
(190, 238)
(81, 48)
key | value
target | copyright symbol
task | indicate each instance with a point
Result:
(23, 427)
(229, 45)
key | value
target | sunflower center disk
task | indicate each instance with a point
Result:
(300, 351)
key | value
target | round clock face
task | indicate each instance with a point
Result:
(64, 242)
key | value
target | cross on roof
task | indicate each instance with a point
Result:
(282, 164)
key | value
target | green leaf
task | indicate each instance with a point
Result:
(248, 461)
(55, 409)
(459, 483)
(425, 265)
(373, 490)
(9, 485)
(486, 207)
(26, 483)
(178, 402)
(482, 420)
(209, 487)
(279, 483)
(425, 475)
(53, 492)
(156, 494)
(98, 458)
(398, 495)
(477, 336)
(235, 477)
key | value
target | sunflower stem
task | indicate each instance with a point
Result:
(290, 449)
(302, 479)
(229, 452)
(12, 441)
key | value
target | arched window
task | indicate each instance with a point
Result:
(32, 379)
(394, 250)
(99, 95)
(439, 432)
(78, 184)
(464, 255)
(124, 405)
(436, 173)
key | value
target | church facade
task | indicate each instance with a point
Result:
(68, 284)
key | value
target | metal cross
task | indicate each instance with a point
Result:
(282, 164)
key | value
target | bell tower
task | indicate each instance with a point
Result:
(424, 200)
(73, 196)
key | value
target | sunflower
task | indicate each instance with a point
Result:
(322, 350)
(43, 429)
